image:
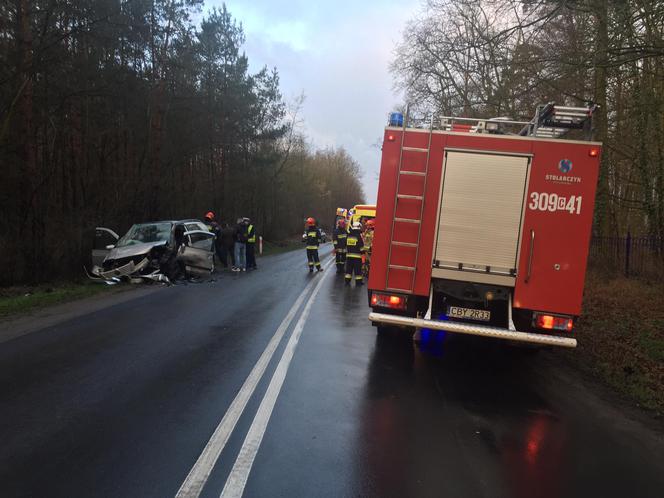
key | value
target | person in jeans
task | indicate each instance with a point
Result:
(240, 246)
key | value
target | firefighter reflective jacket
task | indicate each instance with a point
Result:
(368, 240)
(339, 238)
(354, 244)
(312, 237)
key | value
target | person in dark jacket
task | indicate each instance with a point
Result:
(339, 239)
(312, 237)
(228, 246)
(240, 246)
(354, 248)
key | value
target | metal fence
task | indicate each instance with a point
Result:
(629, 256)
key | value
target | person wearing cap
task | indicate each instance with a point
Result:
(354, 249)
(312, 237)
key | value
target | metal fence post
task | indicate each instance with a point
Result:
(628, 249)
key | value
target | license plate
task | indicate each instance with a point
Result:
(469, 314)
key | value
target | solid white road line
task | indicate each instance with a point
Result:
(200, 472)
(237, 479)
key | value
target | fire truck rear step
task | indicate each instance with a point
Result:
(473, 329)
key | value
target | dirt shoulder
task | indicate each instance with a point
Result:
(25, 310)
(621, 338)
(20, 300)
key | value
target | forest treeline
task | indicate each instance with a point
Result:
(490, 58)
(120, 111)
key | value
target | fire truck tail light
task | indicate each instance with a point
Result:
(388, 301)
(390, 138)
(545, 321)
(594, 152)
(553, 322)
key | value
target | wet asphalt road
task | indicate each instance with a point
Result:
(122, 401)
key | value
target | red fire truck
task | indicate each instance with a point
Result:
(483, 225)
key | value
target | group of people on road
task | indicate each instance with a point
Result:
(352, 248)
(235, 245)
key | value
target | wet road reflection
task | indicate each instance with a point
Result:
(461, 416)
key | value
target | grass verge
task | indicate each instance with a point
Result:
(621, 337)
(21, 300)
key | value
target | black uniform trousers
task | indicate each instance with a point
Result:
(353, 265)
(251, 255)
(312, 258)
(340, 260)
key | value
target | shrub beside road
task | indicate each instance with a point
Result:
(621, 337)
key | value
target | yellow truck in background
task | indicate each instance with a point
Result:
(362, 213)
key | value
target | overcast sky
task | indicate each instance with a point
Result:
(337, 53)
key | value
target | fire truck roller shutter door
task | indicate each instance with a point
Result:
(480, 217)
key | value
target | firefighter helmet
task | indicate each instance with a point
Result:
(370, 224)
(209, 215)
(311, 222)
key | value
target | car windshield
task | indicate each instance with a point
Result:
(145, 232)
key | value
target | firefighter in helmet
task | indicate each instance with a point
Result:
(339, 240)
(312, 237)
(367, 238)
(215, 228)
(354, 249)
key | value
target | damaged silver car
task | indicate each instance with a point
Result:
(162, 251)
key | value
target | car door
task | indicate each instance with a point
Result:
(198, 252)
(105, 239)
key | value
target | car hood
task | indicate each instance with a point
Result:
(133, 250)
